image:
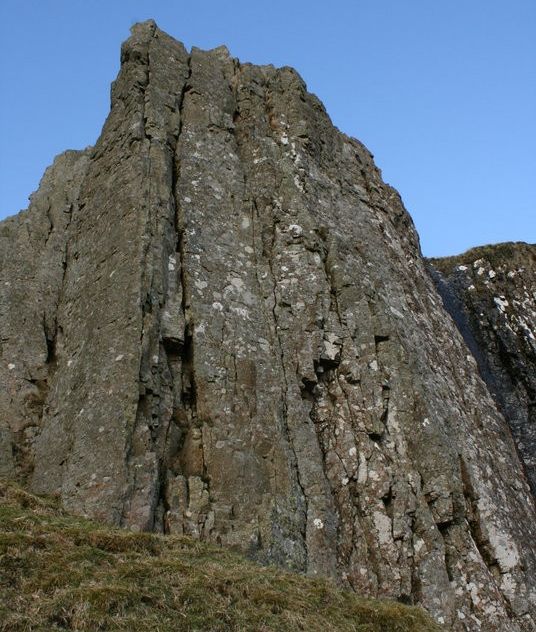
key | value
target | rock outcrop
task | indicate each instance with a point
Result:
(491, 294)
(218, 322)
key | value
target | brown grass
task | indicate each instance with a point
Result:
(58, 572)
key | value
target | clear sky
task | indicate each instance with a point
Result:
(443, 92)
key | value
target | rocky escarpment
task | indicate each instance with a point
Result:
(218, 322)
(491, 294)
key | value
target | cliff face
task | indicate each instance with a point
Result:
(491, 294)
(217, 322)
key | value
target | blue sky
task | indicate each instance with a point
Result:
(443, 92)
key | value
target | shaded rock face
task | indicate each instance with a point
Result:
(217, 322)
(491, 294)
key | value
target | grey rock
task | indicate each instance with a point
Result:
(33, 259)
(491, 294)
(236, 338)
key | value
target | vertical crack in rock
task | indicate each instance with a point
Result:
(162, 349)
(139, 448)
(473, 518)
(176, 338)
(189, 452)
(326, 370)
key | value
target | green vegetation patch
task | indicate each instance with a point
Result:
(58, 572)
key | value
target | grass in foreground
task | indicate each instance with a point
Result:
(58, 572)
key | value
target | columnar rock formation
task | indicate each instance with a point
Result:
(218, 322)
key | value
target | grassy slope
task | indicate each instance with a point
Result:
(58, 572)
(497, 254)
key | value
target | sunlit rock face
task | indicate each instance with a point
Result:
(491, 294)
(218, 322)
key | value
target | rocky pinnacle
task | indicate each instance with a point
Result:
(217, 321)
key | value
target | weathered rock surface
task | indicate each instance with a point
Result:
(33, 260)
(218, 322)
(491, 294)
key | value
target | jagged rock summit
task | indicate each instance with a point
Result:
(218, 322)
